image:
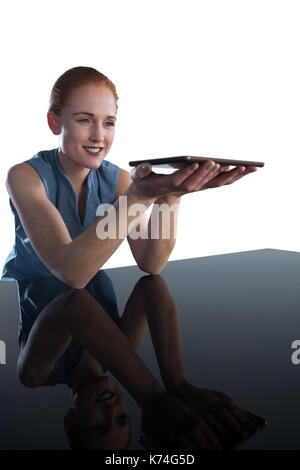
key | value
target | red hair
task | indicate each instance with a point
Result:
(74, 78)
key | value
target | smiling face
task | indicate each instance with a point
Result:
(86, 126)
(101, 414)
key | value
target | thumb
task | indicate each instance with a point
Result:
(141, 171)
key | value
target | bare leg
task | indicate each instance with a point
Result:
(43, 345)
(78, 315)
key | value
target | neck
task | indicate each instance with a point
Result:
(76, 174)
(88, 367)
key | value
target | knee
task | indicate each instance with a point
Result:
(27, 375)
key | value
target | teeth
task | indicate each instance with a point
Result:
(93, 149)
(105, 396)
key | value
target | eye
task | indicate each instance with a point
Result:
(84, 120)
(123, 419)
(112, 123)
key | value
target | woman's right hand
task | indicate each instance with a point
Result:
(148, 185)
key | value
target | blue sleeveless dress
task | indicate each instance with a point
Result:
(36, 294)
(23, 262)
(25, 266)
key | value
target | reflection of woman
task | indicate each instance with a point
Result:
(73, 340)
(219, 420)
(49, 356)
(98, 417)
(37, 294)
(55, 194)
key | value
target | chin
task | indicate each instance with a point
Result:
(92, 164)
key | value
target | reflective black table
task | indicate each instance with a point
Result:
(238, 315)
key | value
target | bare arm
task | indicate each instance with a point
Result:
(152, 249)
(76, 261)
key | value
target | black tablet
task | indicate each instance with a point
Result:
(183, 161)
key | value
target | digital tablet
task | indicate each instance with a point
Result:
(183, 161)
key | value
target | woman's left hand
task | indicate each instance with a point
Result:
(224, 176)
(215, 407)
(169, 420)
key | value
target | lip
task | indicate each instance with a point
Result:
(111, 395)
(92, 154)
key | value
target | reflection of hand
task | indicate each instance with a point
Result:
(149, 185)
(171, 423)
(216, 408)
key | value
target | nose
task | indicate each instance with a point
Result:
(97, 133)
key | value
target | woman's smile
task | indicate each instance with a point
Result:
(93, 151)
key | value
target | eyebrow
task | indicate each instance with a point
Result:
(91, 114)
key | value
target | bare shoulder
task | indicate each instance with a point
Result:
(23, 179)
(124, 182)
(22, 171)
(40, 218)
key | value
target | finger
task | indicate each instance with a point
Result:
(214, 424)
(221, 395)
(220, 412)
(228, 176)
(247, 171)
(248, 425)
(203, 429)
(200, 181)
(196, 438)
(225, 168)
(224, 178)
(189, 421)
(200, 432)
(237, 173)
(185, 443)
(140, 171)
(247, 422)
(191, 174)
(209, 179)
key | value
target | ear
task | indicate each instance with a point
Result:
(69, 420)
(53, 123)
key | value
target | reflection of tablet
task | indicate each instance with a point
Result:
(234, 440)
(181, 162)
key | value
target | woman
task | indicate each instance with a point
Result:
(55, 195)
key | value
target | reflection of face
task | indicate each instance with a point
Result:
(87, 130)
(102, 424)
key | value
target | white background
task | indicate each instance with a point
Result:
(213, 78)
